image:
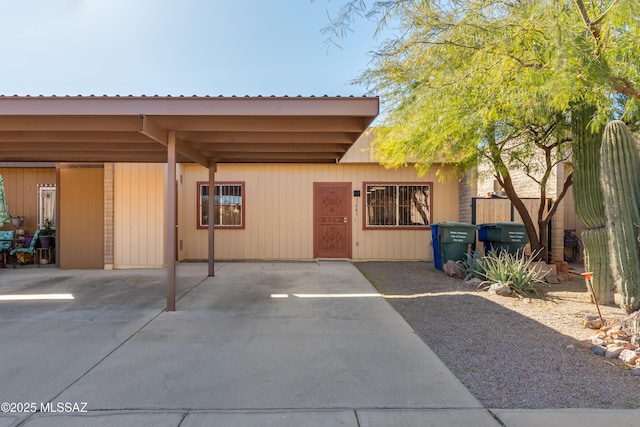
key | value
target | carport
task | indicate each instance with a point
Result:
(204, 130)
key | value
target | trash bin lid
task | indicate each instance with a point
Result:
(448, 224)
(456, 232)
(503, 232)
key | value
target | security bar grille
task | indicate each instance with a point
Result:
(392, 205)
(228, 202)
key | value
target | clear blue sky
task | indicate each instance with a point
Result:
(177, 47)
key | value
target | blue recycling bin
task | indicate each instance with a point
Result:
(503, 236)
(451, 241)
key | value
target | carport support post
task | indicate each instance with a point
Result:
(171, 221)
(211, 207)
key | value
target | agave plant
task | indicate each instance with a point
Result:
(471, 265)
(512, 270)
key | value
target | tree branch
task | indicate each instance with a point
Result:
(591, 26)
(623, 86)
(606, 12)
(568, 182)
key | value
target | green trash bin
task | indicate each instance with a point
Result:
(503, 236)
(451, 241)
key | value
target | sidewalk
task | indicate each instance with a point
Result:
(259, 344)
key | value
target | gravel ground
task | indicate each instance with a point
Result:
(509, 352)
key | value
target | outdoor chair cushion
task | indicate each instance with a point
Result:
(32, 247)
(6, 238)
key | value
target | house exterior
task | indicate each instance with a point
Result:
(283, 210)
(138, 180)
(354, 209)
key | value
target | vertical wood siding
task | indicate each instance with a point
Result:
(80, 235)
(360, 151)
(139, 215)
(279, 212)
(21, 188)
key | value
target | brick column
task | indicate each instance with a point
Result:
(108, 215)
(467, 189)
(557, 222)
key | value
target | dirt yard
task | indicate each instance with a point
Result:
(510, 352)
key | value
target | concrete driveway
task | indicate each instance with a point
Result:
(259, 344)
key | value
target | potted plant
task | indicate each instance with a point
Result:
(17, 220)
(47, 234)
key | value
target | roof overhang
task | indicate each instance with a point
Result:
(207, 130)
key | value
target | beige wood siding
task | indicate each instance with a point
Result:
(279, 212)
(21, 188)
(80, 235)
(139, 215)
(361, 150)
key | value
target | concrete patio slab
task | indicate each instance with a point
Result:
(237, 343)
(259, 344)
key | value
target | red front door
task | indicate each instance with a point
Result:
(332, 220)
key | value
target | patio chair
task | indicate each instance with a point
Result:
(23, 256)
(6, 243)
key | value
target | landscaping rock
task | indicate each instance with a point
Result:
(474, 282)
(500, 289)
(633, 323)
(452, 269)
(613, 341)
(599, 350)
(542, 269)
(552, 279)
(613, 351)
(628, 356)
(585, 343)
(592, 321)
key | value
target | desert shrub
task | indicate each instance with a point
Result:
(512, 270)
(471, 266)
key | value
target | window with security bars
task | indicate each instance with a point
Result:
(390, 205)
(228, 199)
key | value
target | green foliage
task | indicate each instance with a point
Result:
(471, 266)
(465, 80)
(48, 229)
(620, 163)
(512, 270)
(479, 80)
(461, 68)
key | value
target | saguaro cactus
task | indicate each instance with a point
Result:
(620, 183)
(588, 201)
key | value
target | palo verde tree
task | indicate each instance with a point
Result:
(465, 81)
